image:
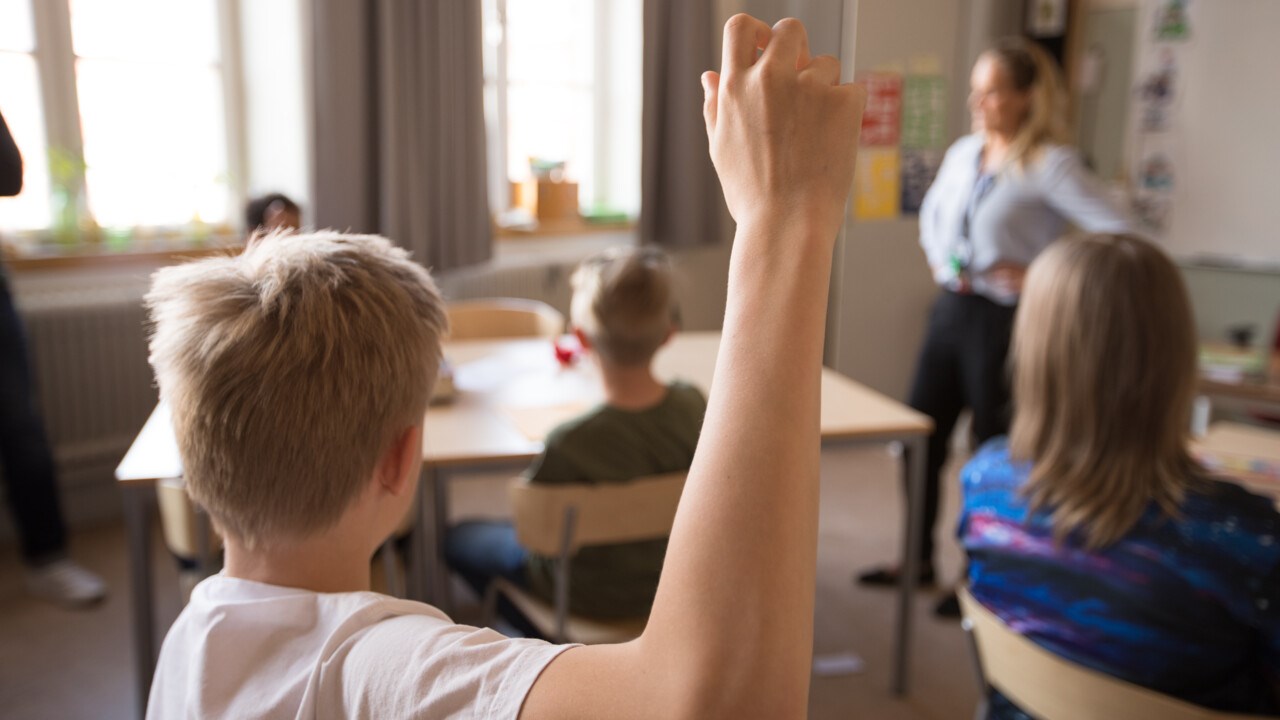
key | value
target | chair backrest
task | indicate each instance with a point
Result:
(1050, 687)
(640, 509)
(178, 520)
(503, 318)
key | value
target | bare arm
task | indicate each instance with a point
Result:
(730, 634)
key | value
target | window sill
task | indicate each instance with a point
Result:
(562, 228)
(567, 247)
(93, 258)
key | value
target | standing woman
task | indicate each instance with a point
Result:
(1002, 195)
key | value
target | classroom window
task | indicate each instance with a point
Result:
(20, 102)
(563, 84)
(120, 110)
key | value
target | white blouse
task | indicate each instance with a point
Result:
(1013, 221)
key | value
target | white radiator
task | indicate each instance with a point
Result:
(94, 388)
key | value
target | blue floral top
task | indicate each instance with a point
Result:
(1189, 606)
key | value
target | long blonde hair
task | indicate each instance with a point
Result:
(1033, 71)
(1104, 375)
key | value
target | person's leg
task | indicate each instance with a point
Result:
(24, 449)
(984, 368)
(986, 372)
(29, 476)
(935, 391)
(481, 550)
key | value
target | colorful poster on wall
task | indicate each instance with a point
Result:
(1157, 93)
(924, 112)
(877, 184)
(1173, 21)
(919, 167)
(882, 118)
(1153, 210)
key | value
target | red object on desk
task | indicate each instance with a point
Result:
(567, 349)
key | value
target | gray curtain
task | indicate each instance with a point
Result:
(680, 204)
(399, 125)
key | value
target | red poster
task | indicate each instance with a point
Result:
(882, 120)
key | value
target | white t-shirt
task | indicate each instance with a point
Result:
(243, 649)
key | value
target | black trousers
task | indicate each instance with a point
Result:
(962, 365)
(24, 449)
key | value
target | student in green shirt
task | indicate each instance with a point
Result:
(623, 311)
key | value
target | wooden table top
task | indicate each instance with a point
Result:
(154, 453)
(1248, 453)
(510, 393)
(1258, 389)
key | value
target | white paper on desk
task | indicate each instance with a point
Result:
(832, 664)
(484, 374)
(536, 422)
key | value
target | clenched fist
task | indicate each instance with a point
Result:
(783, 130)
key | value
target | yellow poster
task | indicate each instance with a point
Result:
(877, 184)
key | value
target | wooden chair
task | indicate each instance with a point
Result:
(503, 318)
(187, 530)
(557, 520)
(1050, 687)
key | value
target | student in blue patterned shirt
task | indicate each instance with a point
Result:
(1091, 530)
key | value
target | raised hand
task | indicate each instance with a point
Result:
(783, 130)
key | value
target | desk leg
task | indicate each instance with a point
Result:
(138, 520)
(913, 467)
(203, 547)
(418, 567)
(440, 570)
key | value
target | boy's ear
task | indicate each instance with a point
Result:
(583, 340)
(399, 465)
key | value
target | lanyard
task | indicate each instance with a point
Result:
(962, 250)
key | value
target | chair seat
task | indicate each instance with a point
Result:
(583, 630)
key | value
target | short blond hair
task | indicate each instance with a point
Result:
(1104, 375)
(289, 370)
(624, 302)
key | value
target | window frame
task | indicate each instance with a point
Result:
(55, 59)
(604, 131)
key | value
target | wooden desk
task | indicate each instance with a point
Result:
(1243, 452)
(504, 384)
(1264, 389)
(510, 392)
(152, 457)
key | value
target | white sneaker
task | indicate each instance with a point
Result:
(65, 583)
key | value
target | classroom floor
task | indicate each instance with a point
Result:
(63, 664)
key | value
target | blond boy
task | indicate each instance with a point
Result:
(298, 376)
(623, 311)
